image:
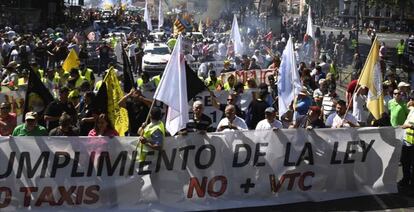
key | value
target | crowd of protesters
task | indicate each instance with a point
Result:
(316, 106)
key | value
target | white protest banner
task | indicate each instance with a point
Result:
(197, 172)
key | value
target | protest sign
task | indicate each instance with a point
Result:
(197, 172)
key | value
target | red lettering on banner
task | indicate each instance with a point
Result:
(46, 196)
(201, 189)
(7, 194)
(92, 193)
(27, 193)
(240, 75)
(302, 180)
(195, 184)
(71, 196)
(275, 186)
(213, 181)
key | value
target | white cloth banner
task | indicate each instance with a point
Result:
(197, 172)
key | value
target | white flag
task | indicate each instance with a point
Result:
(160, 16)
(147, 16)
(236, 37)
(172, 90)
(309, 27)
(289, 84)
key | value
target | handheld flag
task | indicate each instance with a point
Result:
(236, 37)
(172, 90)
(289, 84)
(371, 78)
(196, 86)
(147, 16)
(128, 80)
(309, 26)
(160, 16)
(178, 27)
(117, 114)
(37, 95)
(71, 61)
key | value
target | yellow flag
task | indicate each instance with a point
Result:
(371, 78)
(71, 61)
(117, 114)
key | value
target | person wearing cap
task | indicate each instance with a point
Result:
(65, 127)
(212, 82)
(86, 73)
(8, 120)
(11, 79)
(405, 90)
(270, 121)
(152, 135)
(30, 127)
(138, 108)
(398, 109)
(231, 121)
(340, 118)
(199, 122)
(60, 51)
(55, 109)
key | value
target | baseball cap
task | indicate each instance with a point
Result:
(270, 110)
(30, 116)
(403, 84)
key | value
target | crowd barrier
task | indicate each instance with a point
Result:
(197, 172)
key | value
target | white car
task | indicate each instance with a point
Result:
(156, 56)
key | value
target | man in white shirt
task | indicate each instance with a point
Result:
(231, 121)
(339, 119)
(270, 121)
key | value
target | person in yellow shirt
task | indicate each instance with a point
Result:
(152, 134)
(400, 52)
(87, 73)
(212, 82)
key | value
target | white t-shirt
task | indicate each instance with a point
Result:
(359, 111)
(237, 122)
(265, 125)
(334, 121)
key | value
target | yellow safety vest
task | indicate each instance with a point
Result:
(157, 80)
(140, 82)
(400, 48)
(98, 85)
(87, 75)
(227, 86)
(21, 82)
(409, 133)
(214, 85)
(148, 130)
(79, 81)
